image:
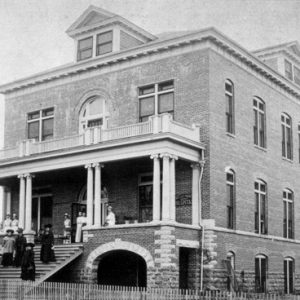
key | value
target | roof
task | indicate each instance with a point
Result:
(292, 46)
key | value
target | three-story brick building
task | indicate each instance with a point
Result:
(193, 140)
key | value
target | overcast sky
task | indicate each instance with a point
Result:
(33, 38)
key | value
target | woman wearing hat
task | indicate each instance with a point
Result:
(19, 247)
(8, 246)
(28, 265)
(47, 249)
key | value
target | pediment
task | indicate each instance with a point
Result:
(93, 18)
(295, 48)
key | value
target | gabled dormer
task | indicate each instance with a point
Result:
(284, 58)
(98, 32)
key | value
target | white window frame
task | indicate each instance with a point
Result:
(40, 119)
(156, 95)
(260, 194)
(229, 113)
(260, 127)
(232, 184)
(286, 126)
(286, 202)
(288, 287)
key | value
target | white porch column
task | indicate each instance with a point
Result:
(172, 189)
(166, 187)
(89, 194)
(2, 207)
(8, 201)
(196, 206)
(28, 212)
(156, 187)
(22, 201)
(97, 212)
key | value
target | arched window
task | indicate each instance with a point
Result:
(288, 269)
(261, 266)
(230, 194)
(229, 96)
(286, 130)
(259, 127)
(230, 265)
(93, 113)
(288, 214)
(260, 216)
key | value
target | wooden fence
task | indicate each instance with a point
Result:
(20, 290)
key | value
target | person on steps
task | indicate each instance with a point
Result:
(28, 265)
(20, 243)
(47, 249)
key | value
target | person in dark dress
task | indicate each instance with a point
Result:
(19, 247)
(28, 265)
(47, 249)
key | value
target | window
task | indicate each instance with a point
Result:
(259, 128)
(104, 43)
(40, 124)
(260, 273)
(156, 99)
(229, 95)
(299, 141)
(297, 75)
(260, 207)
(288, 268)
(93, 113)
(230, 194)
(85, 48)
(288, 214)
(288, 68)
(230, 265)
(286, 128)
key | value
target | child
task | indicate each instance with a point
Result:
(8, 246)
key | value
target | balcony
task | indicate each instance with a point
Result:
(161, 124)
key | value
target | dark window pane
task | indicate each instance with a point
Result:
(261, 106)
(33, 130)
(104, 48)
(48, 112)
(47, 129)
(166, 86)
(85, 54)
(288, 70)
(165, 103)
(297, 75)
(228, 87)
(34, 115)
(146, 90)
(86, 43)
(147, 106)
(105, 37)
(94, 123)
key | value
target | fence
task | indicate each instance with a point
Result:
(20, 290)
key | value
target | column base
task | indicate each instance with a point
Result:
(29, 236)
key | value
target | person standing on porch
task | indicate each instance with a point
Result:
(8, 246)
(111, 218)
(19, 247)
(7, 223)
(28, 265)
(47, 249)
(67, 229)
(15, 223)
(79, 223)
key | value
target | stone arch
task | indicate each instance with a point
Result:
(93, 259)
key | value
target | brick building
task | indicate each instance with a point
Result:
(192, 139)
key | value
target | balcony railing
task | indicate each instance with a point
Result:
(156, 124)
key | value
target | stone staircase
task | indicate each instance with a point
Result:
(64, 254)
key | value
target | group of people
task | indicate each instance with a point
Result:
(10, 223)
(16, 251)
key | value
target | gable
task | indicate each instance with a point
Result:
(93, 18)
(295, 49)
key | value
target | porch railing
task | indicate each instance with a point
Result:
(156, 124)
(17, 290)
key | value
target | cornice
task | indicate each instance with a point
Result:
(210, 34)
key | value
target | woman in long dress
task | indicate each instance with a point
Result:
(8, 247)
(28, 265)
(79, 222)
(19, 247)
(47, 249)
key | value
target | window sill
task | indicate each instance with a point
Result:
(232, 135)
(260, 148)
(287, 160)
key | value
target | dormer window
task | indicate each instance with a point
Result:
(288, 70)
(297, 75)
(85, 48)
(104, 43)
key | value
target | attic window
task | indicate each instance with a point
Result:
(85, 48)
(288, 69)
(104, 42)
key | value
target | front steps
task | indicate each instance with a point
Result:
(64, 254)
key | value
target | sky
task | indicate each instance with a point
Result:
(33, 38)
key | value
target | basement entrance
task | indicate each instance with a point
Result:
(123, 268)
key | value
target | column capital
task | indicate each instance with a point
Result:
(165, 155)
(87, 166)
(28, 175)
(98, 164)
(175, 157)
(21, 176)
(154, 155)
(202, 163)
(195, 165)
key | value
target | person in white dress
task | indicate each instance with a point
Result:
(15, 223)
(111, 218)
(7, 223)
(79, 221)
(67, 229)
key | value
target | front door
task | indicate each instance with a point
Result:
(42, 206)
